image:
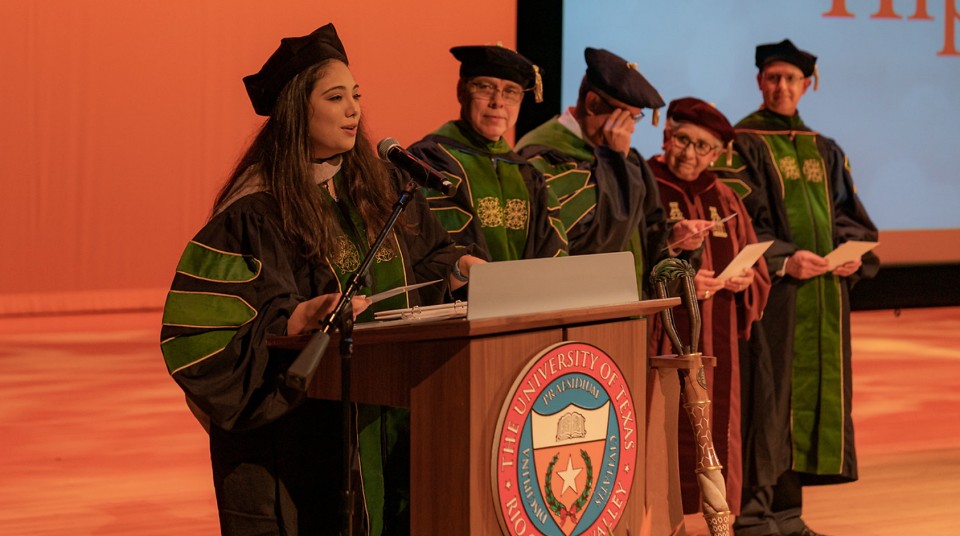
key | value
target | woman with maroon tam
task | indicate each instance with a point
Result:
(289, 227)
(695, 136)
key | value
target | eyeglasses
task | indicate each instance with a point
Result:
(609, 107)
(775, 78)
(511, 94)
(702, 148)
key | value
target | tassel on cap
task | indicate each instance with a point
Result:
(729, 153)
(816, 77)
(656, 117)
(537, 85)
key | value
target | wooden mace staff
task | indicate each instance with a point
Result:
(696, 401)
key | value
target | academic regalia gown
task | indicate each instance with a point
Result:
(502, 203)
(727, 318)
(797, 186)
(608, 201)
(277, 456)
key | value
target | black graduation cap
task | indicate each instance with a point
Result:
(499, 62)
(292, 56)
(621, 80)
(786, 51)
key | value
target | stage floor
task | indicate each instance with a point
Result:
(96, 438)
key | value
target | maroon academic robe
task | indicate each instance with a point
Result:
(727, 317)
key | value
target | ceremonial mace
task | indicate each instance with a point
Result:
(696, 401)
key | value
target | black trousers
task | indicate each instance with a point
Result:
(771, 510)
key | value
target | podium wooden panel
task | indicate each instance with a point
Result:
(454, 376)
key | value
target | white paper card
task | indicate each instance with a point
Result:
(848, 251)
(747, 257)
(399, 290)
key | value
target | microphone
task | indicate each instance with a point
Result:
(420, 171)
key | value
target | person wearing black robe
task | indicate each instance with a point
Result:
(288, 229)
(502, 204)
(607, 195)
(797, 186)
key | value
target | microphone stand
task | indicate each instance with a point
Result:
(301, 371)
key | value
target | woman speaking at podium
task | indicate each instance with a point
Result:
(290, 226)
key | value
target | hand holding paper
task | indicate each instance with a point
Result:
(747, 257)
(688, 232)
(848, 251)
(706, 284)
(842, 261)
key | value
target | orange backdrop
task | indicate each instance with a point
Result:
(123, 117)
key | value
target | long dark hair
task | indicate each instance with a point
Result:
(279, 157)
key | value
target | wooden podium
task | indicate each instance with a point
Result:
(454, 376)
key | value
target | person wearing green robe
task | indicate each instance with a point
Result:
(289, 227)
(608, 196)
(501, 204)
(798, 189)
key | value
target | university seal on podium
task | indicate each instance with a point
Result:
(565, 446)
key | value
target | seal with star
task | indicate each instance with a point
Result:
(565, 445)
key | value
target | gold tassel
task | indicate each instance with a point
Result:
(816, 77)
(729, 153)
(537, 85)
(656, 117)
(632, 66)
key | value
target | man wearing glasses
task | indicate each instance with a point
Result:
(797, 187)
(609, 200)
(694, 137)
(501, 204)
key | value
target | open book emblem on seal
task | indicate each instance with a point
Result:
(565, 450)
